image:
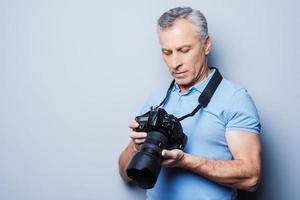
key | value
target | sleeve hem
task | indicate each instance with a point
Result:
(255, 131)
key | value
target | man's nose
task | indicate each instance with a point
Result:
(176, 61)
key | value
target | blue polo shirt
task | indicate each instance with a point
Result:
(231, 108)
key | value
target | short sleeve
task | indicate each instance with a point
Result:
(242, 114)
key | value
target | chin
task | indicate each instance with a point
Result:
(183, 82)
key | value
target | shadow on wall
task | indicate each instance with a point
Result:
(215, 60)
(136, 191)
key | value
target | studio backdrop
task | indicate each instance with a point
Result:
(73, 74)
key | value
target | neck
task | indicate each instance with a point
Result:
(203, 73)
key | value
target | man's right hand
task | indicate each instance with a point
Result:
(138, 138)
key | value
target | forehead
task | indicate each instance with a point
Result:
(181, 33)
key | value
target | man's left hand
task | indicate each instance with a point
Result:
(172, 158)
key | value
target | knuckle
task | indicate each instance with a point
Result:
(131, 135)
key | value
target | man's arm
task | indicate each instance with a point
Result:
(243, 172)
(124, 158)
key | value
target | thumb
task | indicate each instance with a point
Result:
(168, 154)
(133, 125)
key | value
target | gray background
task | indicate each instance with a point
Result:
(73, 74)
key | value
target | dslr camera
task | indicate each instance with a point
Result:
(164, 131)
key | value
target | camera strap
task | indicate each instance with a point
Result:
(205, 96)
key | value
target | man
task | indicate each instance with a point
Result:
(223, 149)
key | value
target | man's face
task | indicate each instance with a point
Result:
(183, 52)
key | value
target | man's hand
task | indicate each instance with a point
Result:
(138, 138)
(172, 158)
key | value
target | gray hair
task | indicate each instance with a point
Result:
(168, 18)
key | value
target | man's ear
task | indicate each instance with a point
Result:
(207, 45)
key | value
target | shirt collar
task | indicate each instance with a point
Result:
(198, 87)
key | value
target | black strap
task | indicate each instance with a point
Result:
(205, 96)
(167, 95)
(207, 93)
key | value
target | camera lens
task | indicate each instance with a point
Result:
(145, 165)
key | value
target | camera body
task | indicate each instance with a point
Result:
(159, 120)
(164, 131)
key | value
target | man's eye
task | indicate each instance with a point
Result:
(167, 53)
(185, 50)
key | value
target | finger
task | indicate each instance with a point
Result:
(175, 154)
(169, 154)
(133, 125)
(167, 162)
(139, 141)
(137, 135)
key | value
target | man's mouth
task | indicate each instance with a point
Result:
(179, 74)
